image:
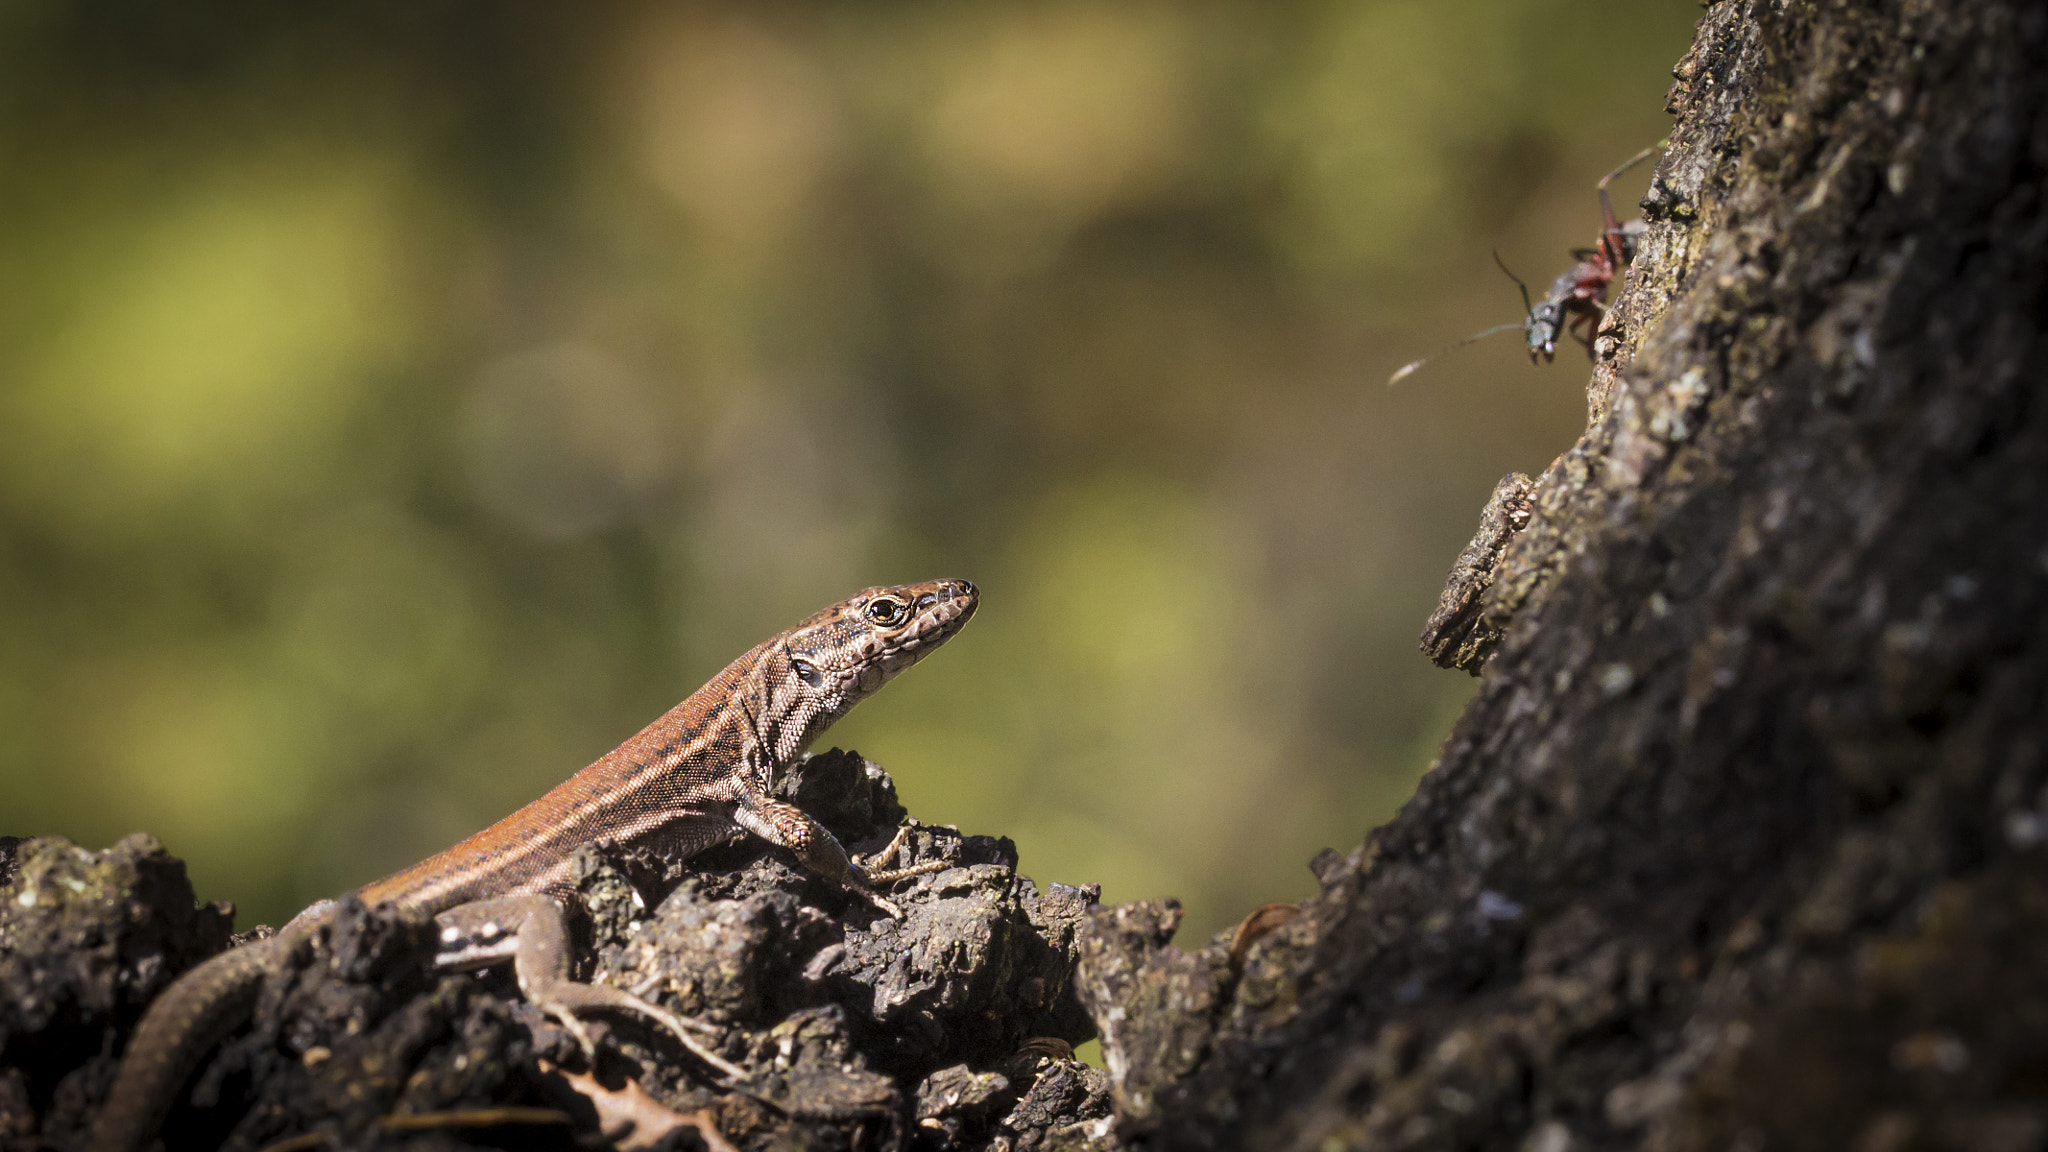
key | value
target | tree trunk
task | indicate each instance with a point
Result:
(1744, 841)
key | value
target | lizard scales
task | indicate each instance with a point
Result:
(697, 776)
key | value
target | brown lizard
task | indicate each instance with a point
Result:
(696, 777)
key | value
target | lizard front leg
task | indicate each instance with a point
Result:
(818, 850)
(533, 931)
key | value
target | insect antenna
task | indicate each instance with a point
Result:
(1409, 368)
(1528, 309)
(1631, 162)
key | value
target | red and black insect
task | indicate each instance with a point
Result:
(1578, 297)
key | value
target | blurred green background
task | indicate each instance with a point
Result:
(403, 402)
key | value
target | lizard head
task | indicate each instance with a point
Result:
(842, 655)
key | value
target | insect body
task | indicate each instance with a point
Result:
(1578, 297)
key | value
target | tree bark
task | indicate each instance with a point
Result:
(1743, 842)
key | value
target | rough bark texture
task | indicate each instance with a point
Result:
(1460, 634)
(1743, 843)
(950, 1028)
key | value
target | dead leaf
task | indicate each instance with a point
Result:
(632, 1119)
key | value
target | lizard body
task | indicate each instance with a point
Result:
(696, 777)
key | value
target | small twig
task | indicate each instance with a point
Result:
(472, 1118)
(422, 1121)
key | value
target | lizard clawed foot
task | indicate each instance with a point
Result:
(564, 999)
(532, 928)
(786, 824)
(873, 875)
(865, 872)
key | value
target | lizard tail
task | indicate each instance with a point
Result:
(192, 1015)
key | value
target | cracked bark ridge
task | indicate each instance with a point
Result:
(1743, 842)
(1458, 634)
(856, 1030)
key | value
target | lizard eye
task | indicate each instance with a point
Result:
(885, 611)
(806, 673)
